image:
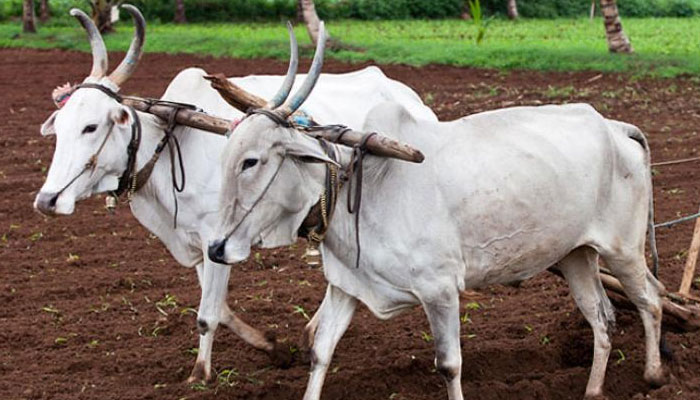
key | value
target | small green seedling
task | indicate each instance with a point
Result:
(228, 377)
(473, 305)
(300, 310)
(51, 310)
(61, 341)
(168, 301)
(620, 356)
(426, 336)
(465, 318)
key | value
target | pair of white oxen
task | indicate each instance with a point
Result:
(501, 196)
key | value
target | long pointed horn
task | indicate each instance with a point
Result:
(283, 92)
(128, 65)
(99, 50)
(294, 102)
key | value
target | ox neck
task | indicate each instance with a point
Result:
(341, 235)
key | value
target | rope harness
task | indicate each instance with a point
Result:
(315, 225)
(131, 180)
(128, 179)
(334, 182)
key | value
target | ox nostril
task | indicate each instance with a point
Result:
(46, 202)
(52, 200)
(217, 251)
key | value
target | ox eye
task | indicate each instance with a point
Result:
(249, 163)
(90, 129)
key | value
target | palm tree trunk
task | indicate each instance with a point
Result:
(180, 17)
(44, 11)
(310, 18)
(512, 9)
(28, 17)
(617, 40)
(102, 15)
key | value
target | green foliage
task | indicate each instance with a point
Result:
(579, 8)
(560, 44)
(478, 19)
(246, 10)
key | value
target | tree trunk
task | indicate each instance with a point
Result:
(617, 40)
(512, 9)
(310, 18)
(44, 11)
(300, 11)
(102, 15)
(180, 17)
(28, 17)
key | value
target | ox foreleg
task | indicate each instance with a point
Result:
(444, 324)
(580, 268)
(334, 316)
(213, 280)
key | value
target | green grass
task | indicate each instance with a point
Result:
(663, 46)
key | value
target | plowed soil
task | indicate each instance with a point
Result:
(80, 295)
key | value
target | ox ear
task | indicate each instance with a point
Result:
(48, 128)
(121, 116)
(307, 153)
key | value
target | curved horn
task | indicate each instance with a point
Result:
(124, 70)
(283, 92)
(294, 102)
(99, 51)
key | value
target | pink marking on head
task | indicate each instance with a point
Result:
(234, 124)
(61, 94)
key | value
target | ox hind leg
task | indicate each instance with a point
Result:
(580, 269)
(334, 316)
(643, 290)
(444, 324)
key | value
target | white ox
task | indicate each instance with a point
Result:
(83, 123)
(501, 196)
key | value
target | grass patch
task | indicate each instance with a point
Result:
(663, 46)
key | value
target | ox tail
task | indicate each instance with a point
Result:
(638, 136)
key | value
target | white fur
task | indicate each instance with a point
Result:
(501, 196)
(344, 98)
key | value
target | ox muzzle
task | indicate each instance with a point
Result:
(217, 251)
(45, 203)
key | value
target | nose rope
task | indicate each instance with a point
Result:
(127, 180)
(90, 165)
(132, 180)
(267, 187)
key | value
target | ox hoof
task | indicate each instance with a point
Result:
(199, 374)
(595, 397)
(657, 378)
(280, 355)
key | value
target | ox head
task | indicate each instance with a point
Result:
(90, 122)
(272, 173)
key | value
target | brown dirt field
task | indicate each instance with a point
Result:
(78, 318)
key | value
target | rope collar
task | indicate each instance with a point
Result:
(316, 223)
(127, 178)
(132, 180)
